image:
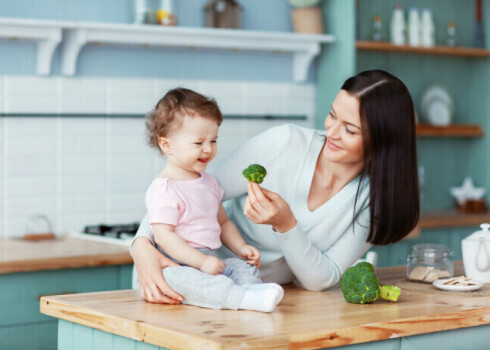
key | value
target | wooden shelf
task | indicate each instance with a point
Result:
(435, 50)
(455, 130)
(452, 218)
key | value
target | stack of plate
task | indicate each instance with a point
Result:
(438, 105)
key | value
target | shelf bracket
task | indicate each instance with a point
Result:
(45, 51)
(302, 62)
(47, 36)
(74, 39)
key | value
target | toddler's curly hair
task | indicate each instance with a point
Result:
(170, 111)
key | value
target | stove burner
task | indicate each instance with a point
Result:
(116, 231)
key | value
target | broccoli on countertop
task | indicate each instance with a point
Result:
(360, 285)
(255, 173)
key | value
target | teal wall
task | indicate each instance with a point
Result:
(337, 61)
(446, 160)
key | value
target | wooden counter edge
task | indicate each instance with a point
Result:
(139, 331)
(66, 262)
(389, 329)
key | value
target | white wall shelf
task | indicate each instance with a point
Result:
(47, 35)
(302, 47)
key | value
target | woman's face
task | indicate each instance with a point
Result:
(343, 131)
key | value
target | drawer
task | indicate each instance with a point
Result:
(20, 292)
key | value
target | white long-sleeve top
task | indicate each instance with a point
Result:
(325, 242)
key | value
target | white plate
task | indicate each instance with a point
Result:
(439, 94)
(439, 113)
(455, 288)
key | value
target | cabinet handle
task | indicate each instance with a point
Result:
(39, 296)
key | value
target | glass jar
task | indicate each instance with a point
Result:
(223, 14)
(429, 262)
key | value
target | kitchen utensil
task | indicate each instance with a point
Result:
(476, 254)
(32, 234)
(456, 288)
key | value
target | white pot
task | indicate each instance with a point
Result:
(476, 254)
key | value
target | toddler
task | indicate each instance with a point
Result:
(187, 218)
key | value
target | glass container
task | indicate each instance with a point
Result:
(223, 14)
(429, 262)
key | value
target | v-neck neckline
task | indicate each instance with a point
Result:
(306, 178)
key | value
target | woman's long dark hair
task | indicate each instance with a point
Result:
(390, 157)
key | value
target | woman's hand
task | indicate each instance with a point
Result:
(251, 254)
(212, 265)
(149, 263)
(265, 207)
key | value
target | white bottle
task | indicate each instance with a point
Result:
(140, 10)
(398, 26)
(413, 27)
(428, 37)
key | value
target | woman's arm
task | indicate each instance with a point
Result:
(233, 240)
(315, 269)
(175, 246)
(149, 263)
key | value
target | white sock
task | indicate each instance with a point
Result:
(263, 286)
(263, 298)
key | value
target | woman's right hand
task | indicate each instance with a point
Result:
(149, 263)
(212, 265)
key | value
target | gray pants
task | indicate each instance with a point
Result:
(223, 291)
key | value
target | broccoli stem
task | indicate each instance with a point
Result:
(390, 293)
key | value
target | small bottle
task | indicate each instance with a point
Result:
(140, 11)
(377, 29)
(413, 27)
(398, 26)
(451, 34)
(428, 29)
(166, 14)
(479, 30)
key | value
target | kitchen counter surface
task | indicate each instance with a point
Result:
(18, 255)
(304, 319)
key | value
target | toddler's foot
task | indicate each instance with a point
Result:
(261, 297)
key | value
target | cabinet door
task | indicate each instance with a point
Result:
(38, 336)
(20, 292)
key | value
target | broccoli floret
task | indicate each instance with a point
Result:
(360, 285)
(255, 173)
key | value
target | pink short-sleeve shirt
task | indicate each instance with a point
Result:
(191, 206)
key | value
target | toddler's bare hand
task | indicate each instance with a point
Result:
(212, 265)
(251, 254)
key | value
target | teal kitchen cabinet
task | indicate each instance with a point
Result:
(30, 270)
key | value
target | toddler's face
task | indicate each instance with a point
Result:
(193, 145)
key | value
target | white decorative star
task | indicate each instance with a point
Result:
(467, 191)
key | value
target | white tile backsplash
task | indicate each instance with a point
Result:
(90, 170)
(2, 93)
(30, 165)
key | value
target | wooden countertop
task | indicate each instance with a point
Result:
(303, 320)
(18, 255)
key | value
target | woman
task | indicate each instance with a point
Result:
(330, 196)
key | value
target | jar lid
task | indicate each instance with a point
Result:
(429, 250)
